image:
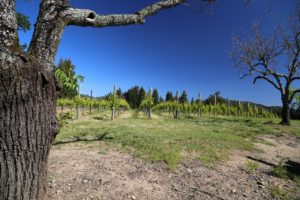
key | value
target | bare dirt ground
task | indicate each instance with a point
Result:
(89, 171)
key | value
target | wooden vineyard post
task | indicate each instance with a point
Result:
(227, 113)
(62, 109)
(176, 109)
(79, 91)
(77, 106)
(248, 110)
(199, 105)
(215, 108)
(91, 102)
(113, 107)
(239, 109)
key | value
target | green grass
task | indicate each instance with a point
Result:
(169, 140)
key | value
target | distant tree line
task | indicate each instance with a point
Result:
(135, 95)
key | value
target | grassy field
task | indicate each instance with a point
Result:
(168, 140)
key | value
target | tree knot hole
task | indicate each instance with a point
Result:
(91, 16)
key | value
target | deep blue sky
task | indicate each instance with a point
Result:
(175, 50)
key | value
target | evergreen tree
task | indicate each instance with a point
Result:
(219, 98)
(183, 98)
(141, 96)
(169, 96)
(119, 92)
(155, 96)
(161, 100)
(132, 97)
(192, 101)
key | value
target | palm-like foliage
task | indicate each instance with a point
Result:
(71, 82)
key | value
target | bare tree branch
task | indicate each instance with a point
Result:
(296, 78)
(295, 61)
(267, 79)
(83, 17)
(279, 82)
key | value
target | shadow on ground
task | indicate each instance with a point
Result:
(101, 137)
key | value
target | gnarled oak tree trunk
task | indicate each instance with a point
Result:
(285, 115)
(285, 112)
(28, 125)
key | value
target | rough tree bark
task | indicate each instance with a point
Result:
(27, 115)
(28, 125)
(28, 90)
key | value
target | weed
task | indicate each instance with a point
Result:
(279, 170)
(279, 193)
(251, 166)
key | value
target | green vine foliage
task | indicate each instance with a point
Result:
(114, 101)
(219, 109)
(148, 102)
(95, 103)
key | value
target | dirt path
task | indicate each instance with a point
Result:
(81, 171)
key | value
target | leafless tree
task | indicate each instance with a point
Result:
(273, 58)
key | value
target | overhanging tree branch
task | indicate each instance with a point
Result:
(84, 17)
(55, 15)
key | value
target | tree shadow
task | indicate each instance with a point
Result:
(100, 137)
(292, 167)
(261, 161)
(269, 122)
(100, 118)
